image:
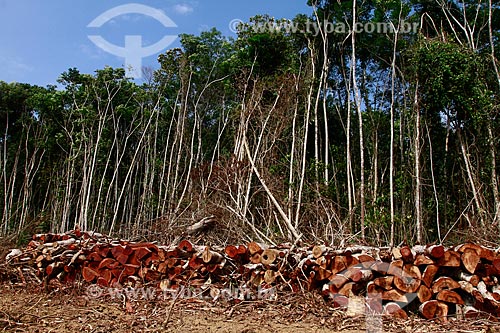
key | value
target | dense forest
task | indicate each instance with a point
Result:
(278, 134)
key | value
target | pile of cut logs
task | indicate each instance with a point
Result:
(433, 280)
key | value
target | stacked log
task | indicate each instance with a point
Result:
(432, 280)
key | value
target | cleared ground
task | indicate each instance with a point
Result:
(71, 309)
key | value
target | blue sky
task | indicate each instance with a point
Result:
(40, 39)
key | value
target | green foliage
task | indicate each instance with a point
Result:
(451, 79)
(266, 51)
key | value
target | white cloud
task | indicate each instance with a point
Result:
(183, 9)
(14, 65)
(131, 18)
(92, 51)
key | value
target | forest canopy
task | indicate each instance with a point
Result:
(279, 134)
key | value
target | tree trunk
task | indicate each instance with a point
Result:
(357, 100)
(418, 186)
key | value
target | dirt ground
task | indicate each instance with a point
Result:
(73, 309)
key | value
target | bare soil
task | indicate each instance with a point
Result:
(71, 309)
